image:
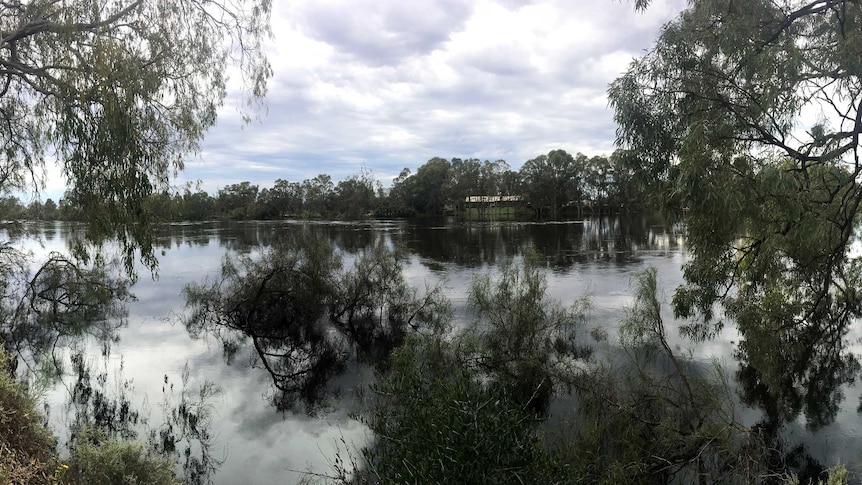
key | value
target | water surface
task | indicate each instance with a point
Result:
(595, 257)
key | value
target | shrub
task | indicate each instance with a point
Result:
(26, 447)
(434, 422)
(97, 460)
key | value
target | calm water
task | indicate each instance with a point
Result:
(259, 444)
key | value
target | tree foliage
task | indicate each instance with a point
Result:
(749, 113)
(651, 415)
(436, 422)
(646, 413)
(525, 341)
(119, 93)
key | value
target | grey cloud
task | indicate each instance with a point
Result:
(501, 60)
(378, 32)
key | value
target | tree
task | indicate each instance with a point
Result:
(652, 415)
(237, 201)
(510, 183)
(354, 196)
(464, 180)
(524, 336)
(197, 206)
(550, 181)
(318, 193)
(625, 189)
(717, 112)
(597, 173)
(402, 187)
(49, 210)
(491, 176)
(283, 199)
(119, 93)
(435, 421)
(429, 183)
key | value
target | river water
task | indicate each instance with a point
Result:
(259, 444)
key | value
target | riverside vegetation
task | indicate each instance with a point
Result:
(547, 187)
(451, 402)
(471, 403)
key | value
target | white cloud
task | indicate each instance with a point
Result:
(386, 84)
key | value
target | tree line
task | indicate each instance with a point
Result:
(549, 186)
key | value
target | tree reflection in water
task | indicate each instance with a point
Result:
(46, 316)
(305, 317)
(56, 306)
(796, 371)
(788, 372)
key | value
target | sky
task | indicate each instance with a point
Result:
(380, 85)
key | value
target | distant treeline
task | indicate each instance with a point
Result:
(551, 186)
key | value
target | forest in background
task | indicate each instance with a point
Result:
(547, 187)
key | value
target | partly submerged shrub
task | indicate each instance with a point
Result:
(435, 422)
(97, 460)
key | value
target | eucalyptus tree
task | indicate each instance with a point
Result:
(749, 113)
(511, 183)
(490, 178)
(355, 196)
(429, 184)
(318, 194)
(197, 206)
(237, 201)
(119, 93)
(598, 178)
(399, 194)
(287, 197)
(626, 191)
(549, 181)
(464, 181)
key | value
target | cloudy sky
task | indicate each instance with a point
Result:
(388, 84)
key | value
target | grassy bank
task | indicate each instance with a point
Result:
(28, 450)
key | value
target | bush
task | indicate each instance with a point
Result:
(28, 449)
(97, 460)
(26, 446)
(434, 422)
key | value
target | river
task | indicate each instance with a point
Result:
(258, 444)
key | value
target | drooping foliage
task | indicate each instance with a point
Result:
(119, 93)
(650, 414)
(748, 113)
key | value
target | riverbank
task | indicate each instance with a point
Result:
(28, 450)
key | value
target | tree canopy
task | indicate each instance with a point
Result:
(119, 93)
(749, 113)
